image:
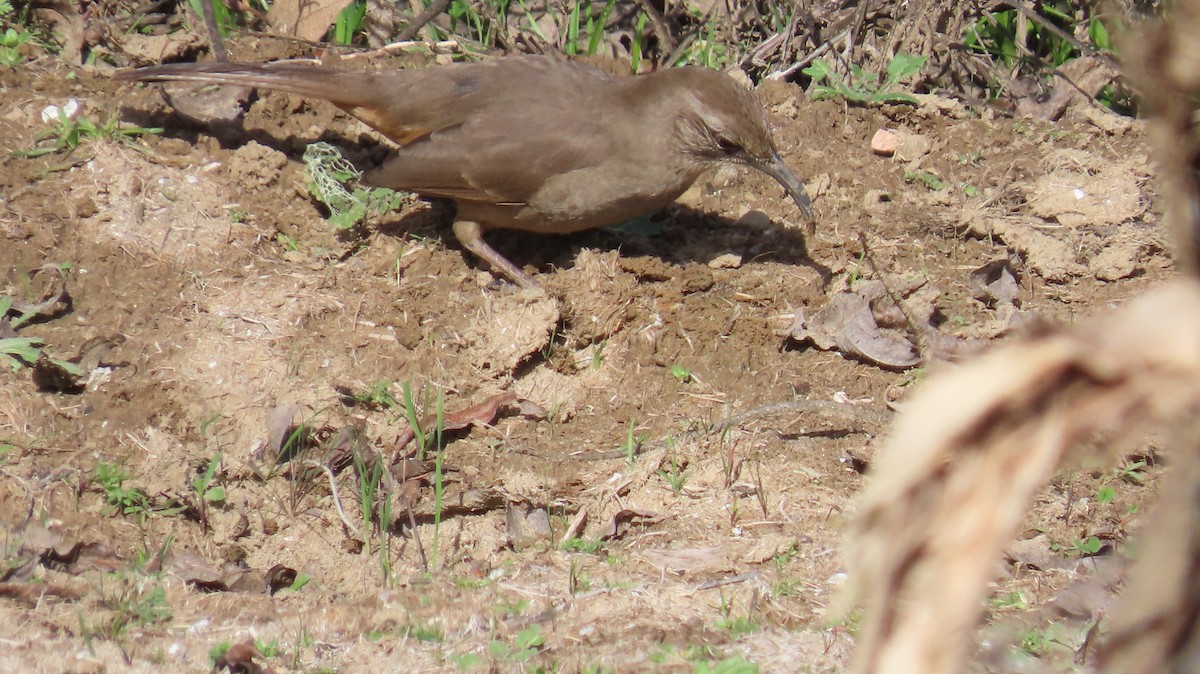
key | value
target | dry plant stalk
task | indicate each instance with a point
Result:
(977, 444)
(974, 447)
(1157, 626)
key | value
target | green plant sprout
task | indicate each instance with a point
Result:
(349, 22)
(69, 129)
(863, 87)
(10, 43)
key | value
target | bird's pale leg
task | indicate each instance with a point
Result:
(470, 235)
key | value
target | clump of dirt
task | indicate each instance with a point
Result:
(671, 478)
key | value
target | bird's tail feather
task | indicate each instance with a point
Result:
(298, 78)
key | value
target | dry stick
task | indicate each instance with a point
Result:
(728, 580)
(691, 36)
(873, 417)
(853, 23)
(660, 27)
(419, 21)
(439, 47)
(412, 525)
(337, 501)
(812, 56)
(914, 326)
(777, 43)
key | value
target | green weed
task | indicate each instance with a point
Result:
(927, 179)
(592, 20)
(675, 475)
(349, 22)
(681, 373)
(528, 643)
(134, 605)
(732, 665)
(226, 20)
(584, 545)
(70, 129)
(125, 500)
(206, 491)
(10, 46)
(864, 87)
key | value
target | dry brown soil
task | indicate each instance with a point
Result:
(232, 296)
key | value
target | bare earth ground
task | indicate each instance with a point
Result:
(234, 295)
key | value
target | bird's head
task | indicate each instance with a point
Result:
(723, 123)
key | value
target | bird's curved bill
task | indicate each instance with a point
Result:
(791, 184)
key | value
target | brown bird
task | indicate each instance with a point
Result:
(534, 142)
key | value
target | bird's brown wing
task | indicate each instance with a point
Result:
(502, 159)
(498, 129)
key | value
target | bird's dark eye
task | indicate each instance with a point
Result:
(728, 146)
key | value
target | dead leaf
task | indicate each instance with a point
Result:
(74, 374)
(33, 594)
(50, 297)
(206, 104)
(239, 659)
(280, 577)
(526, 524)
(846, 324)
(306, 19)
(995, 283)
(482, 414)
(279, 425)
(625, 519)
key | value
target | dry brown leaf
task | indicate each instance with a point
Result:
(625, 519)
(306, 19)
(845, 324)
(525, 523)
(995, 283)
(33, 594)
(239, 659)
(279, 423)
(481, 414)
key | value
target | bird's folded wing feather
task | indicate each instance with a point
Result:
(498, 160)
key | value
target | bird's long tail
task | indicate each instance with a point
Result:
(348, 89)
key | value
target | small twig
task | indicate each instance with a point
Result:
(691, 37)
(667, 45)
(728, 580)
(410, 31)
(412, 526)
(812, 56)
(441, 46)
(873, 417)
(337, 501)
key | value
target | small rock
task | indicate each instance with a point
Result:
(755, 219)
(726, 261)
(884, 143)
(1115, 262)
